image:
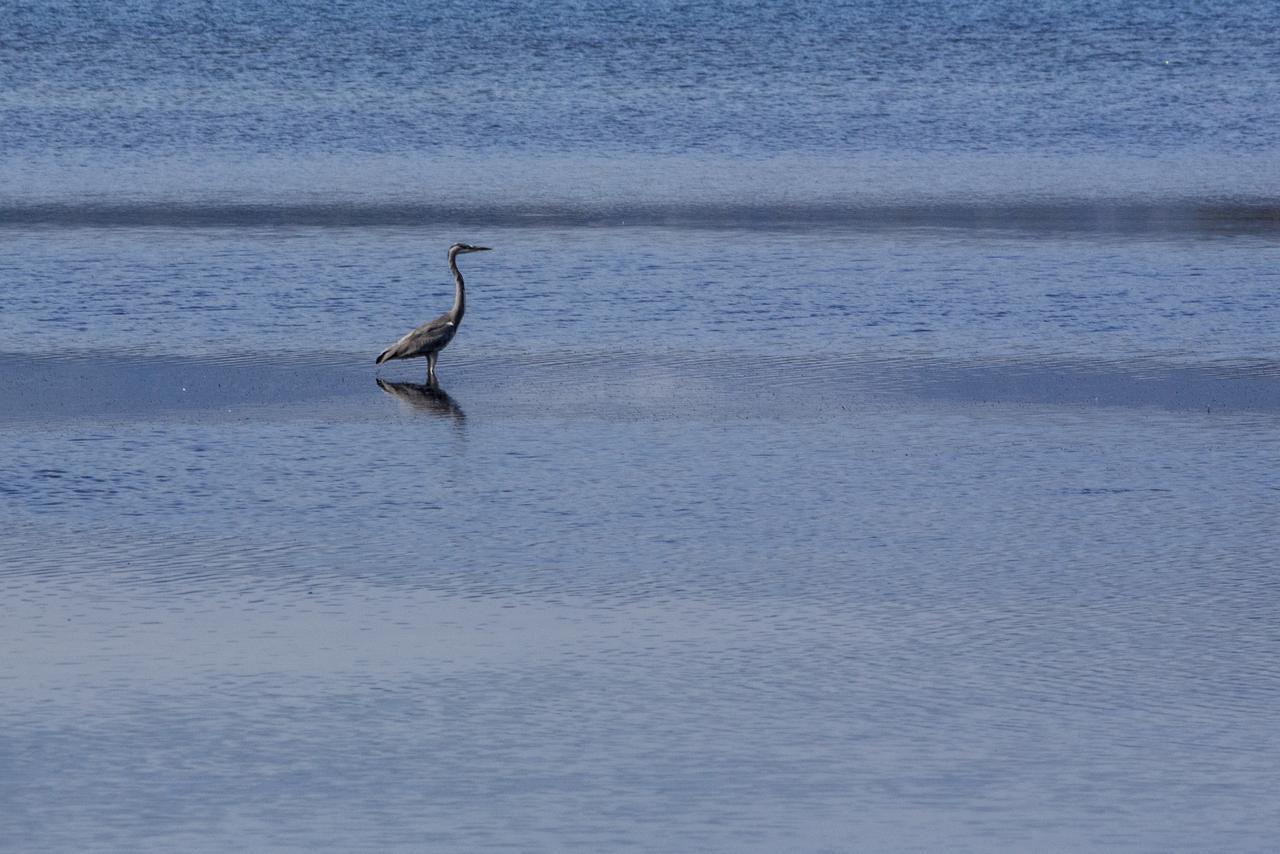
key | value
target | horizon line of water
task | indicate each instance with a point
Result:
(1173, 216)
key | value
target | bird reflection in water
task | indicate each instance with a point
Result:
(426, 397)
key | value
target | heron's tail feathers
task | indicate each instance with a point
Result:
(382, 357)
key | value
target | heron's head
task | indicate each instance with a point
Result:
(460, 248)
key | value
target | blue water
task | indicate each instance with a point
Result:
(863, 435)
(605, 104)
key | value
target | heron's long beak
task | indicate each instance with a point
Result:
(479, 248)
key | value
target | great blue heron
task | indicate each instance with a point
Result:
(432, 337)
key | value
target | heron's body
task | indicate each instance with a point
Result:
(432, 337)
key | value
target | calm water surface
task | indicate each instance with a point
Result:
(864, 435)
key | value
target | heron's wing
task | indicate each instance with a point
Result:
(420, 341)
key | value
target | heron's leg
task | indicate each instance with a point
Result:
(431, 367)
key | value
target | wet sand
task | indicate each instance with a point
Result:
(613, 385)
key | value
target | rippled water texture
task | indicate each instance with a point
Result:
(587, 106)
(726, 540)
(864, 434)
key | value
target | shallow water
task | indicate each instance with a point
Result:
(863, 434)
(363, 623)
(967, 292)
(909, 573)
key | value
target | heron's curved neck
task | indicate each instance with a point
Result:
(459, 292)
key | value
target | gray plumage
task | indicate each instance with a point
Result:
(432, 337)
